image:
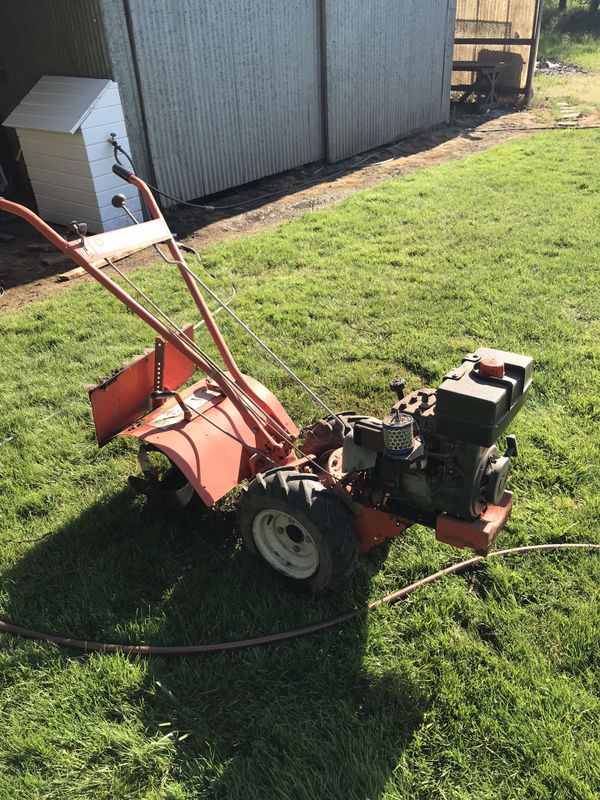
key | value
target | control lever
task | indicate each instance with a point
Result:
(119, 200)
(512, 448)
(79, 229)
(162, 395)
(397, 386)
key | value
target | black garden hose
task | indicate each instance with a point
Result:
(241, 644)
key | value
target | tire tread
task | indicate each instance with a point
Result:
(323, 509)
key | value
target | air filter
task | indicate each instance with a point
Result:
(398, 434)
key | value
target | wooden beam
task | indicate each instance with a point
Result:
(484, 40)
(463, 87)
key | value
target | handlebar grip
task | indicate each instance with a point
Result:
(122, 172)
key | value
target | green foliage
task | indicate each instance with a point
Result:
(571, 37)
(483, 686)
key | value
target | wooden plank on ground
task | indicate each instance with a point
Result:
(78, 272)
(52, 261)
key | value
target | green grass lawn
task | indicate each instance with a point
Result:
(483, 686)
(572, 38)
(582, 50)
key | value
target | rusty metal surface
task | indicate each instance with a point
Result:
(125, 396)
(214, 449)
(374, 527)
(478, 534)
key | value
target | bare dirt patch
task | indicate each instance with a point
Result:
(23, 276)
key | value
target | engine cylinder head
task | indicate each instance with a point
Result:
(398, 434)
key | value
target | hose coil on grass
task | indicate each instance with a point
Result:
(273, 638)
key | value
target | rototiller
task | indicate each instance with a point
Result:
(314, 503)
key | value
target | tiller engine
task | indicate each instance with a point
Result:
(313, 503)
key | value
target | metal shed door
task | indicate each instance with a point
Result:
(388, 70)
(230, 89)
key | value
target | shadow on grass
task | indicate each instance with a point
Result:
(308, 718)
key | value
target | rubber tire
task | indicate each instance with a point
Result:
(324, 515)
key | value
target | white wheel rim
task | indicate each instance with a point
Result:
(285, 543)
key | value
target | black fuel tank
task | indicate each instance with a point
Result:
(476, 406)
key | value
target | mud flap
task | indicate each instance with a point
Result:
(214, 449)
(478, 534)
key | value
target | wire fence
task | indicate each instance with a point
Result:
(492, 30)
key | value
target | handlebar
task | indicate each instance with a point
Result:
(123, 173)
(130, 177)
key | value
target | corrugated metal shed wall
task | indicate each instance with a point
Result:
(216, 94)
(231, 90)
(77, 27)
(388, 66)
(123, 71)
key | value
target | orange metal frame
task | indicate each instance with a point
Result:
(126, 396)
(266, 431)
(210, 430)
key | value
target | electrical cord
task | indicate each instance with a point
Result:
(278, 193)
(322, 178)
(118, 149)
(282, 636)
